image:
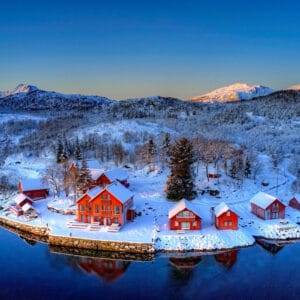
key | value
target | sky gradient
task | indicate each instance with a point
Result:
(125, 49)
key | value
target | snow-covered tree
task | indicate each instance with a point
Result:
(180, 183)
(84, 176)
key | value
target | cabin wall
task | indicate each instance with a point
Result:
(176, 222)
(37, 194)
(222, 222)
(276, 210)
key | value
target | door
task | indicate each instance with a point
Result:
(89, 219)
(185, 225)
(268, 214)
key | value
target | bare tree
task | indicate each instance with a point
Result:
(53, 176)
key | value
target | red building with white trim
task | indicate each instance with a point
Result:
(225, 218)
(184, 216)
(111, 205)
(110, 176)
(267, 207)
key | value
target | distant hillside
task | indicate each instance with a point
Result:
(234, 92)
(29, 97)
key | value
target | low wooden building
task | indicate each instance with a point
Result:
(184, 216)
(110, 205)
(110, 176)
(20, 205)
(33, 188)
(294, 203)
(224, 217)
(267, 207)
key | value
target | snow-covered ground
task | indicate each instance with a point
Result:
(152, 225)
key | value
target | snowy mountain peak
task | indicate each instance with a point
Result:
(234, 92)
(20, 88)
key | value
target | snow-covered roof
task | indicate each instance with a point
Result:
(26, 207)
(221, 209)
(115, 174)
(93, 164)
(96, 173)
(180, 206)
(119, 191)
(262, 199)
(33, 184)
(21, 197)
(95, 191)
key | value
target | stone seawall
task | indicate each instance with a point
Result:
(35, 230)
(43, 234)
(128, 247)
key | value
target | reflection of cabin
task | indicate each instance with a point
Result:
(267, 207)
(109, 270)
(227, 259)
(111, 205)
(114, 175)
(184, 216)
(294, 203)
(224, 217)
(33, 188)
(23, 206)
(270, 247)
(185, 262)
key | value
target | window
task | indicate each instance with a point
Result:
(194, 223)
(116, 210)
(275, 205)
(229, 223)
(228, 213)
(176, 223)
(81, 207)
(116, 220)
(96, 208)
(225, 223)
(185, 214)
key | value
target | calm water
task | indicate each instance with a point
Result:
(33, 272)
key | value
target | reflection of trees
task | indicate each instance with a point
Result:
(227, 259)
(183, 267)
(108, 269)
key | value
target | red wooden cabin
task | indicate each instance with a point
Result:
(184, 216)
(225, 218)
(33, 188)
(113, 204)
(109, 270)
(19, 202)
(267, 207)
(110, 176)
(294, 203)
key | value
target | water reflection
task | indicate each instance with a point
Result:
(107, 269)
(272, 247)
(183, 267)
(227, 259)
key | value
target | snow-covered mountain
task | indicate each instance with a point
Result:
(20, 88)
(30, 97)
(233, 92)
(295, 87)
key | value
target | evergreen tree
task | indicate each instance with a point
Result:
(247, 167)
(180, 183)
(59, 151)
(84, 176)
(77, 151)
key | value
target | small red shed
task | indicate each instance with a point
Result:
(267, 207)
(110, 176)
(294, 203)
(225, 218)
(184, 216)
(19, 207)
(33, 188)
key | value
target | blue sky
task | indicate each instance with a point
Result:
(122, 49)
